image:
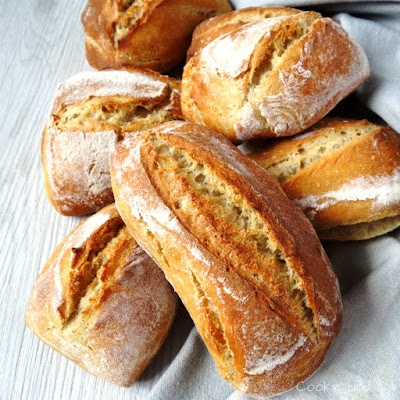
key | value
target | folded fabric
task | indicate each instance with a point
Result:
(364, 361)
(355, 7)
(381, 92)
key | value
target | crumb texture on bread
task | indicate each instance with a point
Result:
(245, 261)
(286, 158)
(121, 101)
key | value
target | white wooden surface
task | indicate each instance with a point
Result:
(42, 43)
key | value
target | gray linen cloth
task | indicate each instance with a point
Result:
(364, 361)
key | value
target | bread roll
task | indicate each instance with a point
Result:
(243, 258)
(101, 301)
(91, 112)
(151, 34)
(344, 174)
(271, 75)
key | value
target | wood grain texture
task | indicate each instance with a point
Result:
(42, 44)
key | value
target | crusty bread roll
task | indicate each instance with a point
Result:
(270, 74)
(151, 34)
(91, 112)
(344, 174)
(101, 301)
(244, 259)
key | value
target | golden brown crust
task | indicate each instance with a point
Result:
(101, 301)
(271, 77)
(244, 259)
(146, 34)
(212, 28)
(91, 112)
(344, 174)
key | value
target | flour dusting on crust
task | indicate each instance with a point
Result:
(85, 157)
(230, 55)
(383, 190)
(107, 83)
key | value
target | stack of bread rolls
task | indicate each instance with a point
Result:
(234, 230)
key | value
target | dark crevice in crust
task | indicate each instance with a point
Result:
(86, 262)
(362, 230)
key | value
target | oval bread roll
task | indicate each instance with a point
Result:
(91, 112)
(344, 174)
(273, 75)
(101, 301)
(243, 258)
(152, 34)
